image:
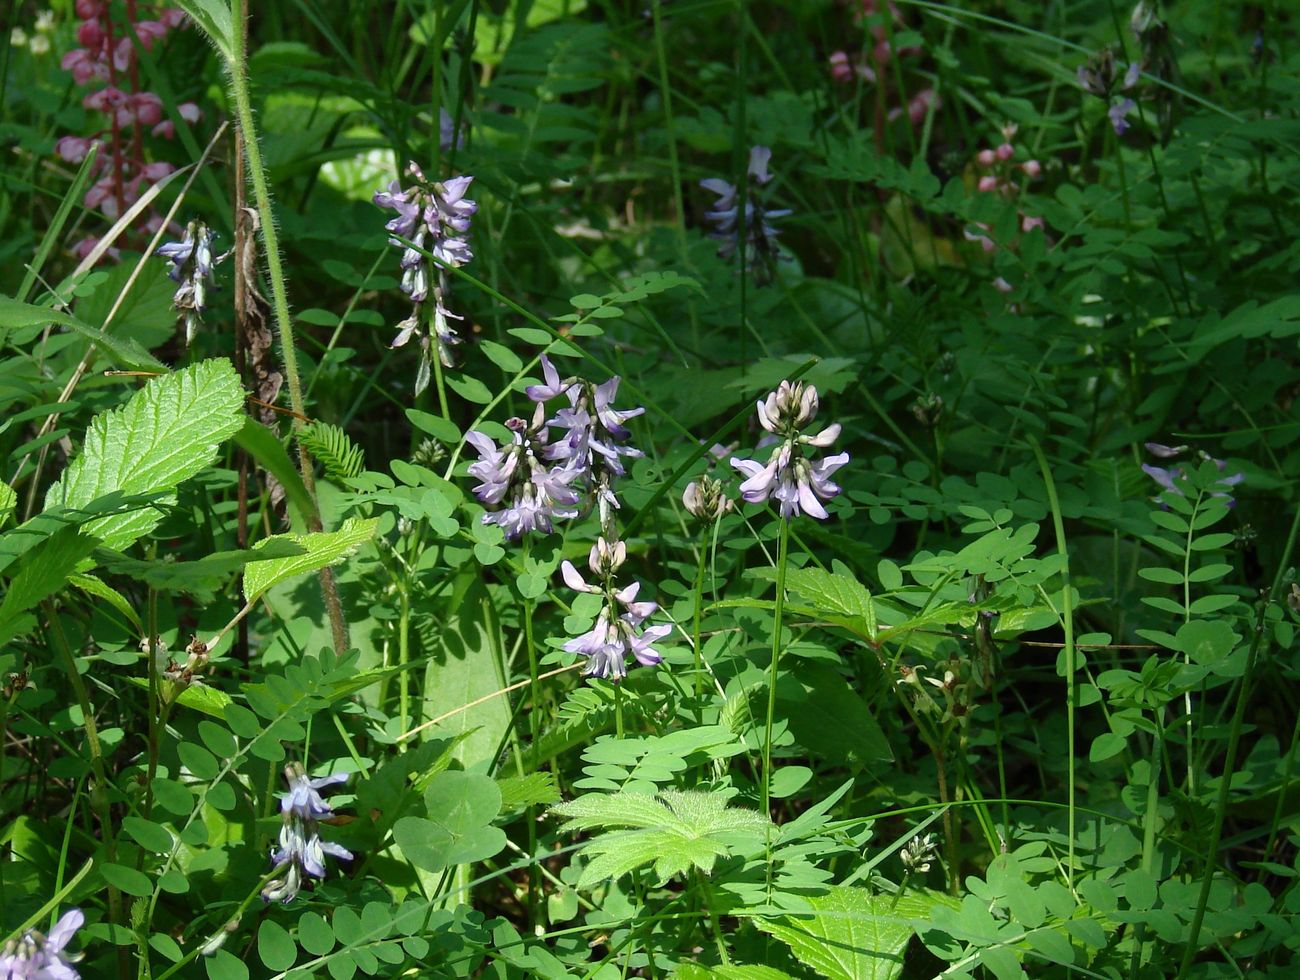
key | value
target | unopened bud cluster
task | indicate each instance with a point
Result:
(705, 500)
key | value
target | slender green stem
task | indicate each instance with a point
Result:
(279, 293)
(404, 656)
(1230, 756)
(1149, 821)
(696, 640)
(618, 709)
(774, 667)
(1071, 653)
(534, 734)
(98, 792)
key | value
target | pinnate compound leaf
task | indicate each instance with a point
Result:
(165, 434)
(851, 933)
(319, 549)
(674, 830)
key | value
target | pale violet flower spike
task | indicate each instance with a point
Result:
(534, 495)
(796, 482)
(300, 855)
(761, 249)
(33, 956)
(617, 633)
(594, 440)
(192, 263)
(435, 218)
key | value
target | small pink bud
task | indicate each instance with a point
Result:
(190, 112)
(841, 71)
(165, 129)
(123, 54)
(149, 31)
(154, 172)
(1005, 152)
(1032, 168)
(920, 105)
(90, 34)
(986, 158)
(988, 183)
(1028, 224)
(148, 108)
(173, 18)
(89, 9)
(73, 149)
(1001, 285)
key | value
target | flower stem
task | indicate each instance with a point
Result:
(695, 632)
(778, 610)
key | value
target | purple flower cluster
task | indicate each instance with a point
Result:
(761, 248)
(301, 852)
(594, 440)
(34, 956)
(435, 218)
(1169, 477)
(192, 263)
(539, 478)
(1101, 77)
(618, 631)
(796, 482)
(535, 495)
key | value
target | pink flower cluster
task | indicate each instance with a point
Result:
(106, 62)
(868, 66)
(844, 69)
(1002, 168)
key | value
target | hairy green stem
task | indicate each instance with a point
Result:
(279, 294)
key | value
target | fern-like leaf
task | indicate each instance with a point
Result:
(330, 445)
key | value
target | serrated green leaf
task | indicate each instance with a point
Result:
(319, 549)
(165, 434)
(837, 594)
(673, 830)
(213, 17)
(851, 934)
(8, 501)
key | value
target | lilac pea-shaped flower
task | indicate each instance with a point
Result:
(552, 385)
(612, 419)
(641, 646)
(303, 798)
